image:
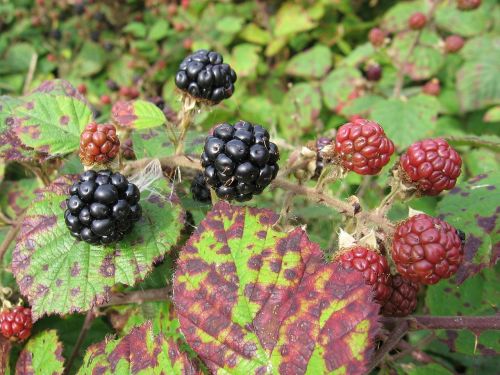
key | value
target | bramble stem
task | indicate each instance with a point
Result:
(140, 296)
(186, 115)
(87, 323)
(473, 323)
(11, 235)
(394, 338)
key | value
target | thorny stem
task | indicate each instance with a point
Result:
(87, 323)
(394, 338)
(473, 323)
(401, 71)
(187, 113)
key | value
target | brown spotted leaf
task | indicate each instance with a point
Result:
(41, 355)
(252, 300)
(474, 207)
(139, 352)
(138, 114)
(15, 196)
(59, 274)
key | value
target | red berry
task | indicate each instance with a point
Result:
(124, 91)
(453, 43)
(426, 249)
(373, 72)
(433, 87)
(98, 144)
(82, 88)
(417, 21)
(403, 300)
(377, 37)
(363, 147)
(187, 43)
(468, 4)
(51, 57)
(105, 100)
(372, 265)
(431, 165)
(16, 323)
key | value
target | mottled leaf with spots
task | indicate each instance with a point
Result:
(138, 114)
(139, 352)
(252, 300)
(59, 274)
(41, 355)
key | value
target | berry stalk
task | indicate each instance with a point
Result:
(186, 115)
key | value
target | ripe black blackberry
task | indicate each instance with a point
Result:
(102, 207)
(204, 76)
(239, 160)
(199, 189)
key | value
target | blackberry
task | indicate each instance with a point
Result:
(102, 207)
(204, 76)
(320, 162)
(199, 189)
(239, 161)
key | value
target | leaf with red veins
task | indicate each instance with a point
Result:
(252, 300)
(139, 352)
(41, 355)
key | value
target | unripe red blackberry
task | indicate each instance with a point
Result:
(99, 144)
(372, 265)
(16, 323)
(128, 149)
(426, 249)
(433, 87)
(430, 166)
(468, 4)
(377, 37)
(204, 76)
(453, 43)
(417, 21)
(403, 299)
(373, 72)
(362, 147)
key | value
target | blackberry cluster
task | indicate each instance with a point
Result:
(239, 160)
(203, 75)
(199, 189)
(102, 207)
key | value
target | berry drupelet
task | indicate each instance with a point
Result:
(430, 166)
(239, 161)
(16, 323)
(102, 207)
(99, 144)
(204, 76)
(426, 249)
(362, 147)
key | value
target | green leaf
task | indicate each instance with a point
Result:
(41, 355)
(16, 196)
(159, 30)
(140, 352)
(338, 85)
(407, 121)
(258, 109)
(230, 24)
(17, 59)
(59, 274)
(396, 18)
(244, 59)
(291, 19)
(137, 29)
(51, 124)
(425, 61)
(249, 298)
(155, 143)
(300, 109)
(492, 115)
(313, 63)
(138, 114)
(473, 207)
(254, 34)
(430, 369)
(448, 17)
(89, 61)
(361, 106)
(360, 54)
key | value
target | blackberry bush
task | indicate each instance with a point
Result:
(102, 207)
(239, 161)
(204, 76)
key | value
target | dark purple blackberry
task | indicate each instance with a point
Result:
(204, 76)
(320, 163)
(239, 161)
(199, 189)
(102, 207)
